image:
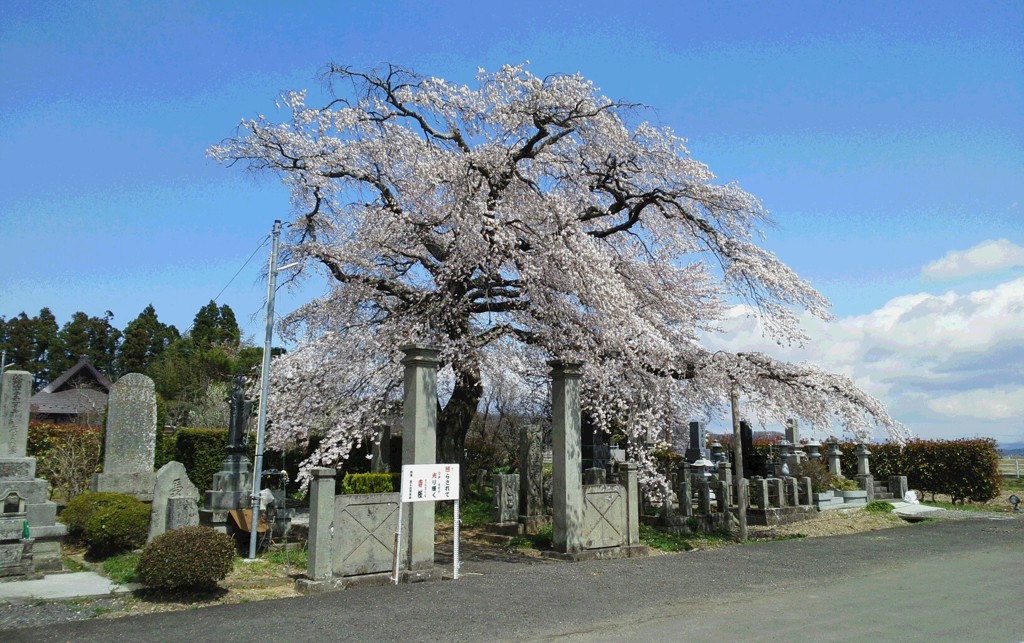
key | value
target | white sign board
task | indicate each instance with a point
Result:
(422, 482)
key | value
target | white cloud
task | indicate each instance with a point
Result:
(986, 257)
(996, 404)
(946, 365)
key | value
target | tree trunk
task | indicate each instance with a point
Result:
(453, 421)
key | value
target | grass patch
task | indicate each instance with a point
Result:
(1013, 484)
(879, 507)
(121, 568)
(662, 541)
(294, 556)
(472, 513)
(72, 565)
(542, 540)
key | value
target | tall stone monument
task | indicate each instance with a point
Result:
(232, 485)
(26, 498)
(131, 439)
(419, 446)
(566, 477)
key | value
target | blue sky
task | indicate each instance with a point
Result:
(884, 137)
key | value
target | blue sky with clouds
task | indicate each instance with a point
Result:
(886, 138)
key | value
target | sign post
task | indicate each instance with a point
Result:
(428, 483)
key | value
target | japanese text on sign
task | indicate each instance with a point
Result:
(421, 482)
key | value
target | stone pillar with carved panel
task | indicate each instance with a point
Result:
(29, 518)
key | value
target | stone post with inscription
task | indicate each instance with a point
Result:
(531, 479)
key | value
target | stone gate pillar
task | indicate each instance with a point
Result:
(567, 482)
(419, 446)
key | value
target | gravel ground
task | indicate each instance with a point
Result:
(480, 558)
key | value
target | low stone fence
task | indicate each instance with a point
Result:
(351, 537)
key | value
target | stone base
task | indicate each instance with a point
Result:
(214, 519)
(504, 528)
(138, 483)
(46, 553)
(309, 586)
(227, 500)
(604, 553)
(533, 524)
(784, 516)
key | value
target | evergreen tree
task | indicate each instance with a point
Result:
(84, 335)
(145, 339)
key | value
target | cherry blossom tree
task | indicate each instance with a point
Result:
(511, 222)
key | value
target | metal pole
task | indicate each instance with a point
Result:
(455, 548)
(737, 449)
(396, 562)
(264, 392)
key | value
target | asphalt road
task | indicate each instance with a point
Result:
(949, 580)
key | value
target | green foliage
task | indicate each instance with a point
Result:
(165, 447)
(201, 451)
(121, 568)
(472, 513)
(962, 469)
(66, 455)
(657, 539)
(821, 478)
(81, 508)
(367, 483)
(879, 506)
(120, 526)
(192, 558)
(145, 339)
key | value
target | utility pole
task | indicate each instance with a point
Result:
(261, 427)
(737, 449)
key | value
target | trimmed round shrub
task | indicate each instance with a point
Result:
(82, 507)
(122, 526)
(191, 558)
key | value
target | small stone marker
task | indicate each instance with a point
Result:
(131, 439)
(506, 498)
(175, 500)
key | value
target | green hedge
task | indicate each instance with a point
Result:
(202, 451)
(962, 469)
(354, 483)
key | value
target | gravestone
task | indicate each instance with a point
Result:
(531, 479)
(698, 441)
(26, 497)
(131, 439)
(566, 473)
(505, 508)
(793, 431)
(747, 443)
(175, 500)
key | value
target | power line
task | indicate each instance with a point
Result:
(260, 246)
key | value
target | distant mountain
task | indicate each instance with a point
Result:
(1012, 448)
